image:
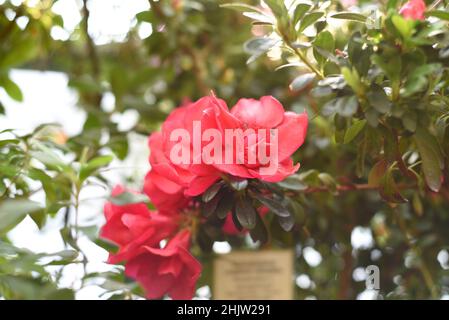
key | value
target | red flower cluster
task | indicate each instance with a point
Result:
(413, 9)
(139, 232)
(172, 186)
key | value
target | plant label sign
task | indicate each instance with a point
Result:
(254, 275)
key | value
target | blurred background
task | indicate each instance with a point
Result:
(81, 80)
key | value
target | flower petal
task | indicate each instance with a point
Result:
(264, 113)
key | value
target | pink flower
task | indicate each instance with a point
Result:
(348, 3)
(413, 9)
(133, 225)
(171, 270)
(169, 184)
(116, 228)
(266, 113)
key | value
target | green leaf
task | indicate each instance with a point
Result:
(242, 7)
(258, 46)
(354, 130)
(259, 232)
(404, 26)
(328, 181)
(432, 160)
(210, 193)
(287, 223)
(239, 184)
(225, 205)
(410, 121)
(12, 89)
(12, 211)
(301, 82)
(309, 19)
(324, 42)
(378, 99)
(440, 14)
(48, 157)
(278, 7)
(347, 106)
(388, 188)
(293, 183)
(145, 16)
(275, 206)
(350, 16)
(352, 78)
(93, 165)
(246, 214)
(300, 11)
(377, 172)
(126, 197)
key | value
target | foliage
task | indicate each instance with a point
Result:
(374, 83)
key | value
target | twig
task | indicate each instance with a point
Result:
(435, 4)
(95, 62)
(353, 187)
(422, 267)
(7, 30)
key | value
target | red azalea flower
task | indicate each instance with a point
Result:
(171, 270)
(116, 228)
(168, 181)
(133, 225)
(266, 113)
(413, 9)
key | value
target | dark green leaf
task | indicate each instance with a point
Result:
(246, 213)
(354, 130)
(12, 211)
(350, 16)
(432, 161)
(301, 82)
(309, 19)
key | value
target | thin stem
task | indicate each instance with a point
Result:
(352, 187)
(426, 274)
(435, 4)
(303, 57)
(307, 62)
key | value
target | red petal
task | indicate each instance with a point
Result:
(264, 113)
(291, 134)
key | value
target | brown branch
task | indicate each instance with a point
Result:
(353, 187)
(7, 30)
(157, 10)
(93, 55)
(197, 66)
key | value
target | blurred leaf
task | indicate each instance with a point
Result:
(11, 88)
(324, 41)
(246, 214)
(350, 16)
(275, 206)
(259, 232)
(12, 211)
(440, 14)
(301, 82)
(309, 19)
(93, 165)
(293, 183)
(432, 161)
(126, 197)
(299, 12)
(354, 130)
